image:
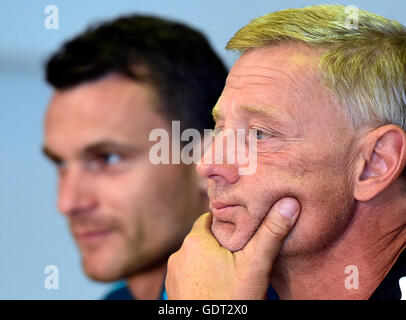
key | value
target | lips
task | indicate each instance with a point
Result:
(91, 236)
(224, 212)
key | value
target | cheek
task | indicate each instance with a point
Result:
(127, 197)
(121, 200)
(276, 177)
(320, 185)
(121, 195)
(326, 211)
(155, 200)
(293, 164)
(327, 203)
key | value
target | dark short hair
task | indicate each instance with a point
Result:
(180, 64)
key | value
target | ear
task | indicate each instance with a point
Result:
(383, 158)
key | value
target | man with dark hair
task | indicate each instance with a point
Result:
(114, 84)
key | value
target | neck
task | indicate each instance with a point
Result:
(354, 265)
(147, 284)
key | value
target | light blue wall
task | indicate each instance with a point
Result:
(32, 233)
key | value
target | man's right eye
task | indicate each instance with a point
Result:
(260, 134)
(60, 165)
(216, 131)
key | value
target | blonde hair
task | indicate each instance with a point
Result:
(364, 67)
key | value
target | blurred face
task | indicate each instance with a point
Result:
(304, 148)
(125, 214)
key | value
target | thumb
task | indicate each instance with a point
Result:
(263, 248)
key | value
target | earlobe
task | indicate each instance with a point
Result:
(384, 157)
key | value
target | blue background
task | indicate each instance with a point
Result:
(32, 233)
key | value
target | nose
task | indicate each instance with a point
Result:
(219, 172)
(215, 163)
(75, 193)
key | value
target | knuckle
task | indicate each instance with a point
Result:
(171, 260)
(190, 242)
(276, 230)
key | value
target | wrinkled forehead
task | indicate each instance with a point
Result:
(283, 77)
(293, 63)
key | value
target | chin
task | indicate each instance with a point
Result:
(230, 236)
(101, 277)
(101, 268)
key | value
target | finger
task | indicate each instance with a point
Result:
(203, 223)
(202, 230)
(263, 248)
(170, 283)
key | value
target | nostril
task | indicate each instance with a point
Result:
(216, 177)
(217, 172)
(203, 170)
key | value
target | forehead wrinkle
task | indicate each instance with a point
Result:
(295, 80)
(263, 72)
(264, 108)
(243, 80)
(292, 88)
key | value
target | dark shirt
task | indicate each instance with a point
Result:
(125, 294)
(119, 294)
(389, 288)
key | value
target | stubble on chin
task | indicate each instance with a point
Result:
(235, 236)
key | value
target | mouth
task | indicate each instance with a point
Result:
(92, 236)
(223, 212)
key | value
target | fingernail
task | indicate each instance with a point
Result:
(288, 208)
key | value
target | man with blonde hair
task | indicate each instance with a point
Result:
(327, 101)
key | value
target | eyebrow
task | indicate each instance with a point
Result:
(106, 146)
(52, 156)
(268, 111)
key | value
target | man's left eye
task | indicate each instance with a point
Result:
(103, 161)
(110, 158)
